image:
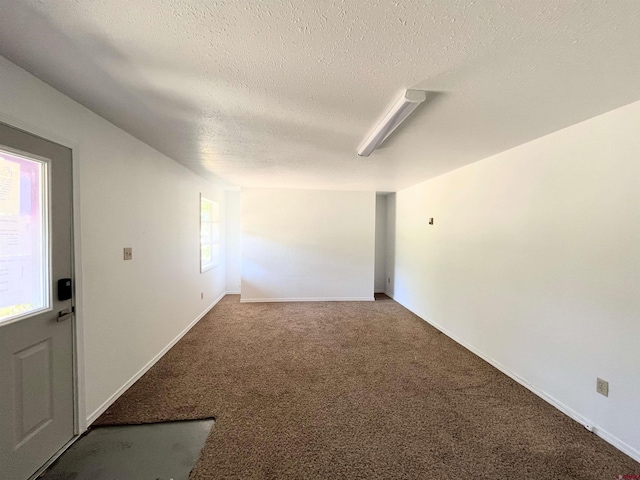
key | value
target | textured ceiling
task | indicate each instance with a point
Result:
(281, 93)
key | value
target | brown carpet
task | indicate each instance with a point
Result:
(355, 390)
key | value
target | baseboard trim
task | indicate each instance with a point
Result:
(585, 422)
(391, 297)
(102, 408)
(309, 299)
(233, 292)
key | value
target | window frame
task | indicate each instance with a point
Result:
(45, 250)
(210, 238)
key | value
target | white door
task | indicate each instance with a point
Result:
(36, 328)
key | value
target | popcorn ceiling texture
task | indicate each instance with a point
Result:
(281, 93)
(355, 390)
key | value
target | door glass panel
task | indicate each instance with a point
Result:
(24, 263)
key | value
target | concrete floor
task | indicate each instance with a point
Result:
(159, 451)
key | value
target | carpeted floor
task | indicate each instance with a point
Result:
(355, 390)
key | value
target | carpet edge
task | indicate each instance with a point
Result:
(118, 393)
(582, 420)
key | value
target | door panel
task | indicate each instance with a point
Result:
(36, 351)
(32, 387)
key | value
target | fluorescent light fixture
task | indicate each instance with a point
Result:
(398, 114)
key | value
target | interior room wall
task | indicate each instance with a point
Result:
(307, 245)
(533, 262)
(390, 246)
(381, 241)
(126, 195)
(234, 231)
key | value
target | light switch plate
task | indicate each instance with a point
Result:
(128, 253)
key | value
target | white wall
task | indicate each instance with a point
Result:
(307, 245)
(234, 232)
(390, 246)
(381, 242)
(127, 195)
(534, 262)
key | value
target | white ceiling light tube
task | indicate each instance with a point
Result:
(398, 114)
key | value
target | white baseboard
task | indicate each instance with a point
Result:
(391, 297)
(102, 408)
(585, 422)
(233, 292)
(616, 442)
(311, 299)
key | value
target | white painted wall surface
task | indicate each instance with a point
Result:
(534, 262)
(307, 245)
(390, 258)
(128, 195)
(381, 241)
(234, 232)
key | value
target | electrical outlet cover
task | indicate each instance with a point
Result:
(602, 387)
